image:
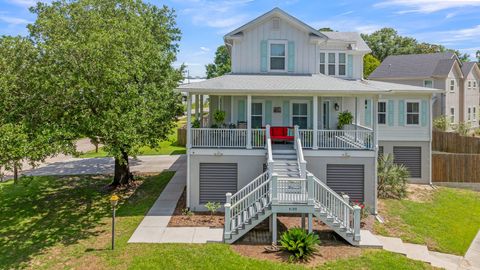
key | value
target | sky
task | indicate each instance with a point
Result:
(452, 23)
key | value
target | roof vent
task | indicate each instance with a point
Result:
(276, 23)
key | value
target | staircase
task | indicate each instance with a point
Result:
(286, 184)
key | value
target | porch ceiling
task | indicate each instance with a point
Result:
(296, 84)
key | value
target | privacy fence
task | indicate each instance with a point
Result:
(455, 158)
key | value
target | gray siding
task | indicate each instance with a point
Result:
(348, 179)
(216, 179)
(410, 157)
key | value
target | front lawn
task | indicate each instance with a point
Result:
(166, 147)
(446, 220)
(64, 223)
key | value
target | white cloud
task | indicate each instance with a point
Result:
(452, 36)
(427, 6)
(13, 20)
(205, 49)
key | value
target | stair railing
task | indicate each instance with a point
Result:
(269, 149)
(302, 164)
(237, 205)
(337, 207)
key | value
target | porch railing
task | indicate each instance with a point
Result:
(219, 137)
(258, 138)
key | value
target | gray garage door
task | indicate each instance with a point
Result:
(410, 157)
(348, 179)
(216, 179)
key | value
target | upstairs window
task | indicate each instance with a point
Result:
(452, 115)
(469, 113)
(382, 112)
(452, 85)
(322, 63)
(428, 83)
(278, 56)
(331, 64)
(474, 85)
(342, 64)
(474, 113)
(469, 85)
(413, 113)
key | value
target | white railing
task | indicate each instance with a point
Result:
(258, 138)
(345, 139)
(337, 207)
(291, 190)
(306, 136)
(302, 164)
(238, 205)
(216, 137)
(269, 150)
(356, 127)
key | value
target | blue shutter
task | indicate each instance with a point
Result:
(368, 112)
(241, 110)
(291, 56)
(286, 113)
(263, 55)
(424, 111)
(390, 111)
(401, 112)
(268, 112)
(349, 65)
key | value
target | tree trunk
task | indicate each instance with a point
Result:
(96, 148)
(122, 176)
(15, 174)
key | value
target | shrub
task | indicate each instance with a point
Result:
(344, 118)
(299, 243)
(392, 178)
(441, 123)
(212, 207)
(187, 212)
(219, 117)
(196, 123)
(462, 128)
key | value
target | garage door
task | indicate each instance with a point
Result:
(348, 179)
(410, 157)
(216, 179)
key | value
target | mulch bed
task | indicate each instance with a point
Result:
(198, 219)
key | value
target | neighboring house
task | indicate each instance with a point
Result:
(285, 74)
(461, 99)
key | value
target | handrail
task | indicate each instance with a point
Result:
(302, 164)
(264, 177)
(359, 127)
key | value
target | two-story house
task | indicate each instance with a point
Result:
(273, 144)
(460, 101)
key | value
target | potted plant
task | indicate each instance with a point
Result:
(219, 117)
(344, 118)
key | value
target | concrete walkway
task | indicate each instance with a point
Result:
(154, 226)
(471, 261)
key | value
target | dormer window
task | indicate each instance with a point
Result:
(277, 55)
(342, 64)
(333, 64)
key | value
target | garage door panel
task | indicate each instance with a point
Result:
(410, 157)
(348, 179)
(216, 179)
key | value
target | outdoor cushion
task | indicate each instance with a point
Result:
(280, 133)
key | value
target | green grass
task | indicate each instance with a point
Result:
(64, 223)
(166, 147)
(446, 222)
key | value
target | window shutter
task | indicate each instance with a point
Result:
(291, 56)
(241, 110)
(424, 111)
(286, 113)
(390, 117)
(263, 55)
(368, 112)
(350, 66)
(401, 112)
(268, 112)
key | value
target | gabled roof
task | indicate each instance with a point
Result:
(416, 65)
(467, 67)
(275, 12)
(349, 36)
(296, 84)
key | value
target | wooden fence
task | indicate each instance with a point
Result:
(455, 167)
(182, 136)
(454, 143)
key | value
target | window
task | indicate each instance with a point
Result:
(276, 23)
(474, 113)
(474, 85)
(469, 85)
(277, 56)
(428, 83)
(257, 115)
(452, 85)
(469, 113)
(342, 64)
(300, 115)
(382, 112)
(322, 63)
(452, 115)
(413, 113)
(331, 64)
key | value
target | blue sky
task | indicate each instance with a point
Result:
(452, 23)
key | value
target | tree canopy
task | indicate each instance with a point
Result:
(110, 62)
(370, 63)
(222, 63)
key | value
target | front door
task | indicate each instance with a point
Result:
(326, 115)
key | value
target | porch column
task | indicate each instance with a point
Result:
(356, 117)
(315, 122)
(375, 123)
(189, 120)
(201, 111)
(274, 228)
(197, 106)
(310, 223)
(249, 122)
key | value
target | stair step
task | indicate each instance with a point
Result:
(417, 252)
(368, 240)
(393, 244)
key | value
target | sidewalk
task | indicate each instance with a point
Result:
(154, 226)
